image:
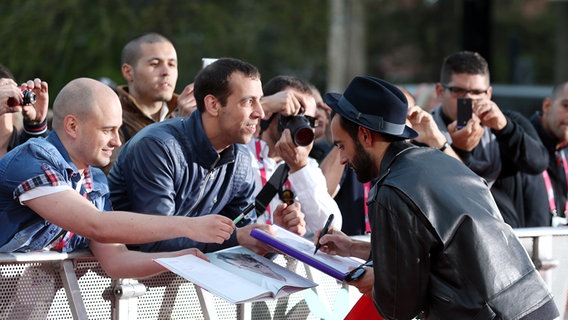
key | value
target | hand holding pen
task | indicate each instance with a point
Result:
(244, 213)
(324, 231)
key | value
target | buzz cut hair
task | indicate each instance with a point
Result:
(131, 52)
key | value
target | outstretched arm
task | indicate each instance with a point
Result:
(69, 210)
(119, 262)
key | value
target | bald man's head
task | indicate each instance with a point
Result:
(81, 97)
(86, 117)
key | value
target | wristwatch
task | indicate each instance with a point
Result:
(444, 146)
(358, 272)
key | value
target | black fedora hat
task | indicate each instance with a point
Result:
(374, 104)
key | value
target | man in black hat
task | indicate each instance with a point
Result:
(439, 246)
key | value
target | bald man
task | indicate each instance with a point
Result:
(52, 197)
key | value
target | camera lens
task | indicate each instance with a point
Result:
(301, 131)
(29, 97)
(303, 136)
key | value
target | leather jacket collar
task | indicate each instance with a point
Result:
(393, 151)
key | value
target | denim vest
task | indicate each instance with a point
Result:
(21, 229)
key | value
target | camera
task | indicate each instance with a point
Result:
(300, 127)
(29, 98)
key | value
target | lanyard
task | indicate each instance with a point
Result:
(366, 190)
(550, 190)
(258, 147)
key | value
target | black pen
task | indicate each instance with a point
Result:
(324, 231)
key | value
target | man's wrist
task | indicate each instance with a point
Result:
(444, 146)
(35, 128)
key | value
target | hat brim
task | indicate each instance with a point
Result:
(332, 99)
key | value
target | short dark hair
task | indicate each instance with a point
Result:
(278, 84)
(5, 73)
(131, 51)
(352, 129)
(282, 82)
(214, 79)
(463, 62)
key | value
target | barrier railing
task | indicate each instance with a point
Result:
(48, 285)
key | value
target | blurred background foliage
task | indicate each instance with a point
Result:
(405, 40)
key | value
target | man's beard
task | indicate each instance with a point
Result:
(363, 164)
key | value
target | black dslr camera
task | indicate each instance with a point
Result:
(29, 98)
(301, 128)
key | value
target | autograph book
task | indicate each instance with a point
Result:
(238, 275)
(302, 249)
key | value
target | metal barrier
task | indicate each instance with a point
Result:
(548, 248)
(50, 285)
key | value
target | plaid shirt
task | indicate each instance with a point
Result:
(42, 163)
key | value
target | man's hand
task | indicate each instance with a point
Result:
(467, 137)
(295, 156)
(9, 90)
(286, 102)
(211, 228)
(244, 238)
(365, 283)
(290, 217)
(186, 101)
(36, 113)
(193, 251)
(489, 114)
(335, 242)
(423, 123)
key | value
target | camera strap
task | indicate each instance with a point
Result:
(270, 189)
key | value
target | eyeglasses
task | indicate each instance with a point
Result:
(460, 92)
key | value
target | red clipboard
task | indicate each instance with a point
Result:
(364, 309)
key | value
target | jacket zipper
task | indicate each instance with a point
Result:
(202, 189)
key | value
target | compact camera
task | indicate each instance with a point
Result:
(301, 128)
(29, 98)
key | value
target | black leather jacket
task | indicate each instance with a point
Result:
(440, 247)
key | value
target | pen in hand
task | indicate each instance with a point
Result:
(324, 231)
(245, 212)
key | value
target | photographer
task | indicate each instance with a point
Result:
(289, 140)
(31, 99)
(500, 146)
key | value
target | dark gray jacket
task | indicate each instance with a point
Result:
(171, 168)
(441, 248)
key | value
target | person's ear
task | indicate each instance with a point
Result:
(212, 105)
(489, 92)
(127, 72)
(546, 105)
(365, 136)
(439, 90)
(71, 125)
